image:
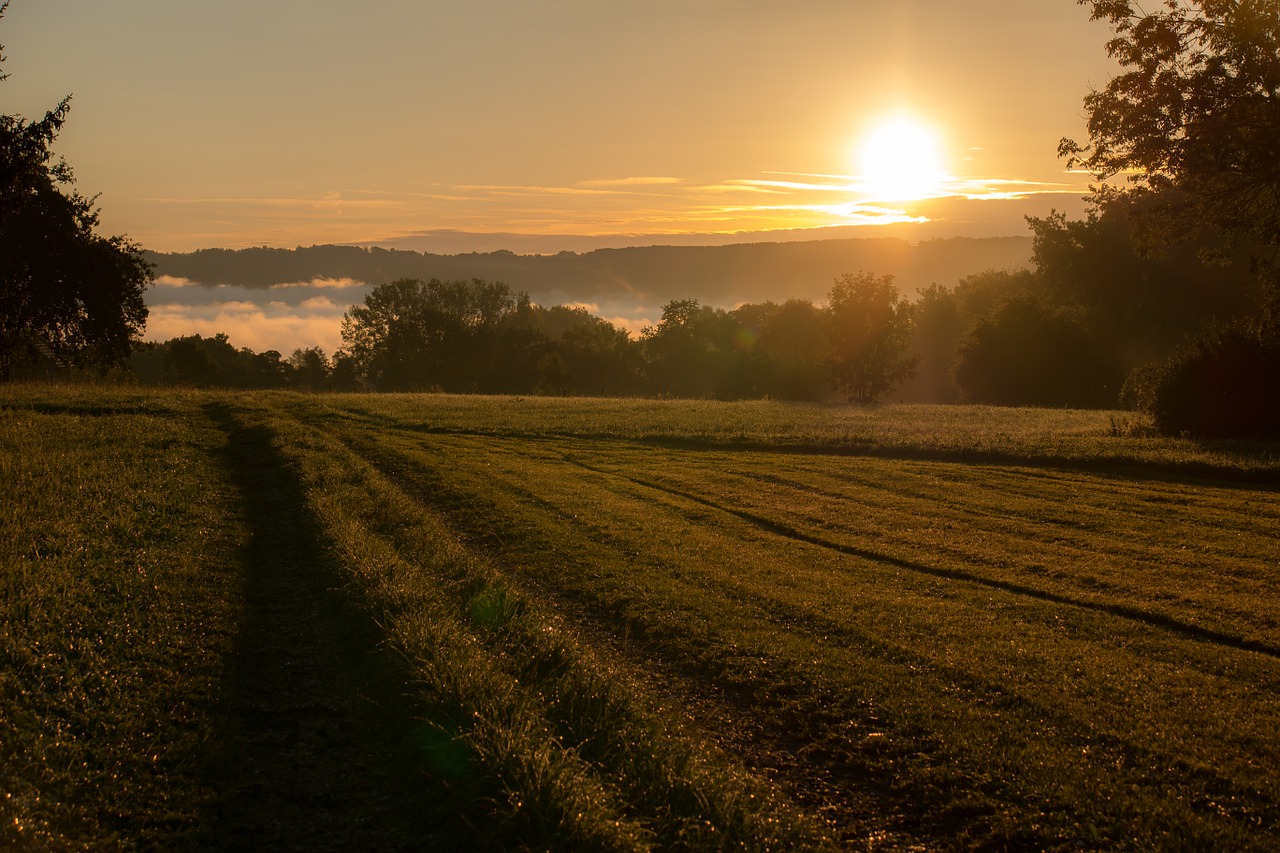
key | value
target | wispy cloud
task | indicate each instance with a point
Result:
(656, 205)
(321, 283)
(634, 182)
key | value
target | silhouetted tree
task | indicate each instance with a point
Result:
(310, 369)
(345, 375)
(189, 361)
(687, 349)
(267, 369)
(1221, 385)
(463, 336)
(64, 289)
(869, 331)
(1028, 354)
(600, 359)
(943, 316)
(1194, 123)
(790, 348)
(212, 362)
(1194, 120)
(1145, 303)
(939, 325)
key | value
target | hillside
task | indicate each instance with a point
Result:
(720, 275)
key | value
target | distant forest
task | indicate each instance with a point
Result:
(716, 275)
(1087, 326)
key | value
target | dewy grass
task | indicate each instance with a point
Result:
(673, 625)
(976, 637)
(932, 431)
(536, 702)
(117, 609)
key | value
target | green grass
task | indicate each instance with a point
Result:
(634, 624)
(970, 433)
(115, 547)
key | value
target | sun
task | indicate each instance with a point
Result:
(900, 160)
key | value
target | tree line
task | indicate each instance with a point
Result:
(1081, 329)
(481, 337)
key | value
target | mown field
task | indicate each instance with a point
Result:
(406, 622)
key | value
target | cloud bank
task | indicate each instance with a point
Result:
(284, 317)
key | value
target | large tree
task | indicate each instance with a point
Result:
(869, 332)
(462, 336)
(65, 291)
(1193, 122)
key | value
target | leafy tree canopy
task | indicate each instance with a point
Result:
(1193, 122)
(64, 290)
(411, 335)
(870, 330)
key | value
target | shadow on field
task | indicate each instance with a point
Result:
(318, 744)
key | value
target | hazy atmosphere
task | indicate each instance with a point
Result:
(625, 426)
(243, 123)
(449, 127)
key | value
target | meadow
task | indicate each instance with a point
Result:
(395, 622)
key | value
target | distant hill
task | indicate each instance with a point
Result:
(652, 275)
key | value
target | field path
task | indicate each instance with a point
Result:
(313, 756)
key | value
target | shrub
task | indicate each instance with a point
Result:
(1225, 384)
(1029, 354)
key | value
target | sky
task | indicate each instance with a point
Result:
(438, 125)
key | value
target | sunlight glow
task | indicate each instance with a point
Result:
(899, 160)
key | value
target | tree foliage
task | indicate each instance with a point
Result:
(463, 336)
(869, 327)
(1221, 385)
(791, 343)
(1193, 122)
(65, 291)
(1026, 353)
(694, 351)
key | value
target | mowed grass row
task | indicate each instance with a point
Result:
(970, 433)
(118, 609)
(1018, 656)
(620, 618)
(1195, 557)
(581, 755)
(129, 563)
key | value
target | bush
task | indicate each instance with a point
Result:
(1225, 384)
(1029, 354)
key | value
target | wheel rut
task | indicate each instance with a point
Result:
(317, 746)
(1151, 619)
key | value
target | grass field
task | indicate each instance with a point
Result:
(409, 621)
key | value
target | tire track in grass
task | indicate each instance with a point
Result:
(410, 464)
(859, 810)
(1138, 545)
(1120, 611)
(679, 797)
(1137, 466)
(316, 751)
(1124, 751)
